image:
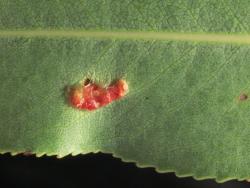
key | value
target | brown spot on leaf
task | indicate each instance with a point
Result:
(243, 97)
(87, 82)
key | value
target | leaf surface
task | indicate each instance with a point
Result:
(186, 63)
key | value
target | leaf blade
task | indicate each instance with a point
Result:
(181, 114)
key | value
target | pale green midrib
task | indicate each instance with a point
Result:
(134, 35)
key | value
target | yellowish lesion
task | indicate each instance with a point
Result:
(124, 87)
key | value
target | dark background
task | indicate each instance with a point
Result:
(92, 170)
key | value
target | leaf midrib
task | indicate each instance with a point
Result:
(130, 35)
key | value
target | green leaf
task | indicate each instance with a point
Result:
(186, 63)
